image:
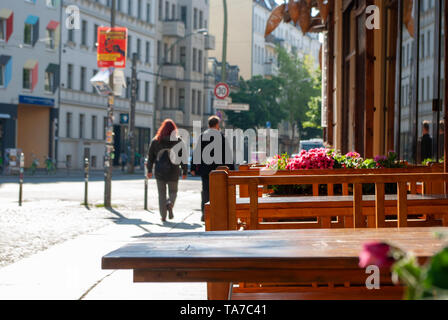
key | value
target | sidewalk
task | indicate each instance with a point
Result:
(72, 269)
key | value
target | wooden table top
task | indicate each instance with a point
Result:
(319, 248)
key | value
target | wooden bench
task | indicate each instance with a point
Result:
(358, 211)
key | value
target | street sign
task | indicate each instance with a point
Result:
(112, 47)
(221, 104)
(222, 91)
(124, 118)
(238, 107)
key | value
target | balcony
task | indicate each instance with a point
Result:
(176, 115)
(173, 28)
(270, 69)
(173, 72)
(209, 42)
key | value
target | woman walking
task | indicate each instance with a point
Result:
(165, 171)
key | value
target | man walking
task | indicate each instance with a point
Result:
(210, 162)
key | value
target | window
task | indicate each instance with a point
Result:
(139, 45)
(165, 97)
(94, 72)
(129, 46)
(199, 102)
(160, 10)
(172, 98)
(2, 76)
(51, 3)
(193, 101)
(183, 14)
(68, 125)
(70, 76)
(84, 33)
(183, 56)
(147, 91)
(51, 74)
(95, 36)
(182, 99)
(130, 7)
(200, 61)
(148, 51)
(26, 79)
(50, 39)
(71, 36)
(173, 12)
(139, 9)
(104, 127)
(195, 19)
(201, 19)
(5, 70)
(6, 24)
(94, 127)
(159, 52)
(195, 55)
(82, 79)
(119, 8)
(148, 12)
(165, 52)
(167, 10)
(31, 30)
(81, 126)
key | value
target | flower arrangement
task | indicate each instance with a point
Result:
(330, 159)
(428, 281)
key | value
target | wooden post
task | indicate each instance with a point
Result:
(402, 205)
(380, 217)
(358, 218)
(253, 194)
(218, 222)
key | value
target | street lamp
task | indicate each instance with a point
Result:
(202, 31)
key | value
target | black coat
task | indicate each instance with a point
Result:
(202, 169)
(154, 149)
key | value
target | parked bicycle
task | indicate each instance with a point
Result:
(34, 164)
(50, 166)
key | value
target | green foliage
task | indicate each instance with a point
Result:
(262, 96)
(300, 88)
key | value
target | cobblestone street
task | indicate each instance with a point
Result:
(52, 213)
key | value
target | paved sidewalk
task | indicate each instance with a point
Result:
(72, 269)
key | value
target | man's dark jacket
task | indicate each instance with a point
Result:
(204, 169)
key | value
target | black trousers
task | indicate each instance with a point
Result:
(205, 191)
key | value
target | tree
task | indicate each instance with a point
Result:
(262, 95)
(300, 84)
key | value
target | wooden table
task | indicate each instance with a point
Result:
(261, 256)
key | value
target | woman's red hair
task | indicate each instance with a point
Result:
(165, 130)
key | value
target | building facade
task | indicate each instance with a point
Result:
(29, 71)
(247, 47)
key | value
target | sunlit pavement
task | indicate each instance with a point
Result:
(51, 247)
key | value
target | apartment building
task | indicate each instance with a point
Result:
(29, 71)
(82, 112)
(184, 88)
(247, 46)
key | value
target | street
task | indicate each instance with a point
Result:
(54, 218)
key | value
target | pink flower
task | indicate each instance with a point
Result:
(376, 253)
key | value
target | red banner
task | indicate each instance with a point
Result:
(112, 47)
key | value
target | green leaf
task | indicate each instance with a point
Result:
(437, 274)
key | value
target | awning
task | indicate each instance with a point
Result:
(30, 64)
(4, 60)
(5, 13)
(52, 68)
(31, 19)
(52, 25)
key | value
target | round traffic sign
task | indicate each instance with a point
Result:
(222, 91)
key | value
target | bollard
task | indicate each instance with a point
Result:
(22, 171)
(146, 183)
(86, 181)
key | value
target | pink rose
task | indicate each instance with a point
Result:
(376, 253)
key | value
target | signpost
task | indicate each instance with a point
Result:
(222, 91)
(22, 171)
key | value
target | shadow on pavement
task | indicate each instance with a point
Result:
(122, 220)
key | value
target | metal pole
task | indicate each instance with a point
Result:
(224, 45)
(22, 170)
(146, 183)
(86, 181)
(445, 115)
(110, 130)
(131, 167)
